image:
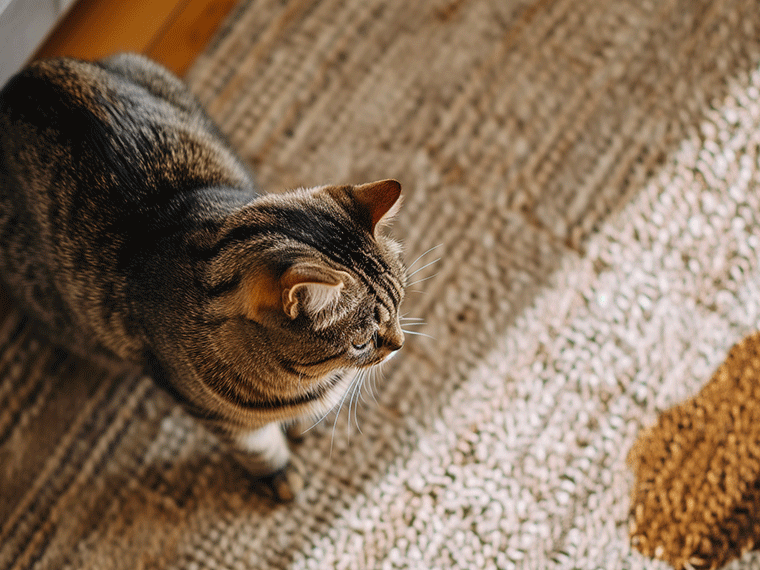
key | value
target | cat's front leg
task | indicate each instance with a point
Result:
(264, 453)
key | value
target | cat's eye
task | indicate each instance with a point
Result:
(363, 345)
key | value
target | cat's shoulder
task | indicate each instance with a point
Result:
(78, 82)
(98, 86)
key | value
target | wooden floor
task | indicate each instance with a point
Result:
(172, 32)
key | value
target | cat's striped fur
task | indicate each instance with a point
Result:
(132, 232)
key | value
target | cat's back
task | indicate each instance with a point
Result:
(124, 120)
(98, 160)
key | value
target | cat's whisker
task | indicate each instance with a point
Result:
(405, 318)
(416, 271)
(374, 384)
(364, 387)
(356, 403)
(368, 388)
(367, 376)
(418, 333)
(340, 407)
(360, 396)
(353, 401)
(424, 254)
(354, 388)
(381, 374)
(319, 421)
(415, 324)
(423, 279)
(369, 383)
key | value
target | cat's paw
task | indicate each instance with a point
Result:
(282, 485)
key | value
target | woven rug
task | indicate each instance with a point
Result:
(589, 172)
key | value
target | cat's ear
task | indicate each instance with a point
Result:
(380, 200)
(310, 289)
(305, 288)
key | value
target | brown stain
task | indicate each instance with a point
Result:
(696, 498)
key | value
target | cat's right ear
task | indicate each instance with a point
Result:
(379, 200)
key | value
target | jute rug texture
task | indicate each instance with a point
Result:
(588, 173)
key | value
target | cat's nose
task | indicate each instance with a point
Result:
(395, 342)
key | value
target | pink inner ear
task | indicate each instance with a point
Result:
(379, 198)
(319, 286)
(318, 296)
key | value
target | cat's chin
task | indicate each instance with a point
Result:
(388, 357)
(339, 381)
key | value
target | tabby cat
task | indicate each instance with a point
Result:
(132, 232)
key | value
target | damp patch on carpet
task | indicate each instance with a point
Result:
(696, 499)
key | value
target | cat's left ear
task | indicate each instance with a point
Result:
(305, 288)
(310, 288)
(380, 200)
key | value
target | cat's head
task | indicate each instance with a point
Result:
(313, 285)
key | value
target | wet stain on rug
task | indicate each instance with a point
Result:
(696, 498)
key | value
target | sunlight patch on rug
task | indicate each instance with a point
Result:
(526, 466)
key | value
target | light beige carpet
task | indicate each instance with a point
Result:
(590, 171)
